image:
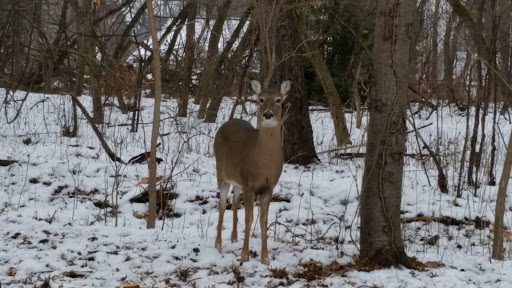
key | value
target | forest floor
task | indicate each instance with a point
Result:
(59, 226)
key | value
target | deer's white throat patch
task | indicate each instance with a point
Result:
(268, 123)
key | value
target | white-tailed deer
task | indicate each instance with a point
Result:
(252, 161)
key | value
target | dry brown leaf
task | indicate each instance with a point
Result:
(507, 235)
(139, 215)
(128, 286)
(433, 264)
(11, 272)
(145, 180)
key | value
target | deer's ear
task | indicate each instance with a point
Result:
(285, 88)
(256, 86)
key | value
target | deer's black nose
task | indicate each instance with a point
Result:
(268, 115)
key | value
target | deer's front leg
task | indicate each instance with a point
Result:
(249, 205)
(264, 203)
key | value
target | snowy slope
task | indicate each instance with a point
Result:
(52, 230)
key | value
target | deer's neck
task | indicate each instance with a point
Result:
(269, 140)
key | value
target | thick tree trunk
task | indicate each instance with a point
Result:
(381, 239)
(188, 61)
(497, 242)
(298, 146)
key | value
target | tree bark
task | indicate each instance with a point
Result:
(188, 60)
(156, 117)
(298, 146)
(381, 239)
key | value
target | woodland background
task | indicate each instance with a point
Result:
(396, 62)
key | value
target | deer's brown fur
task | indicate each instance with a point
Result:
(251, 160)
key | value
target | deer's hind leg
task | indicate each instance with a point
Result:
(224, 190)
(236, 203)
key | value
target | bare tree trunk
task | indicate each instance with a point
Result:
(468, 89)
(228, 73)
(356, 97)
(82, 52)
(94, 69)
(448, 59)
(492, 84)
(497, 242)
(331, 93)
(188, 61)
(476, 124)
(474, 162)
(433, 73)
(206, 82)
(51, 50)
(156, 117)
(381, 239)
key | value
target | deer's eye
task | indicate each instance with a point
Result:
(278, 100)
(262, 100)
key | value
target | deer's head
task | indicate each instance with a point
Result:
(270, 104)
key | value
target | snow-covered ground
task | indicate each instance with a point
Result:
(53, 227)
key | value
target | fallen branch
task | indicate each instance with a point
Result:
(417, 156)
(319, 110)
(103, 143)
(479, 223)
(339, 149)
(446, 220)
(6, 162)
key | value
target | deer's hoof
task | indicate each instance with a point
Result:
(244, 258)
(265, 261)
